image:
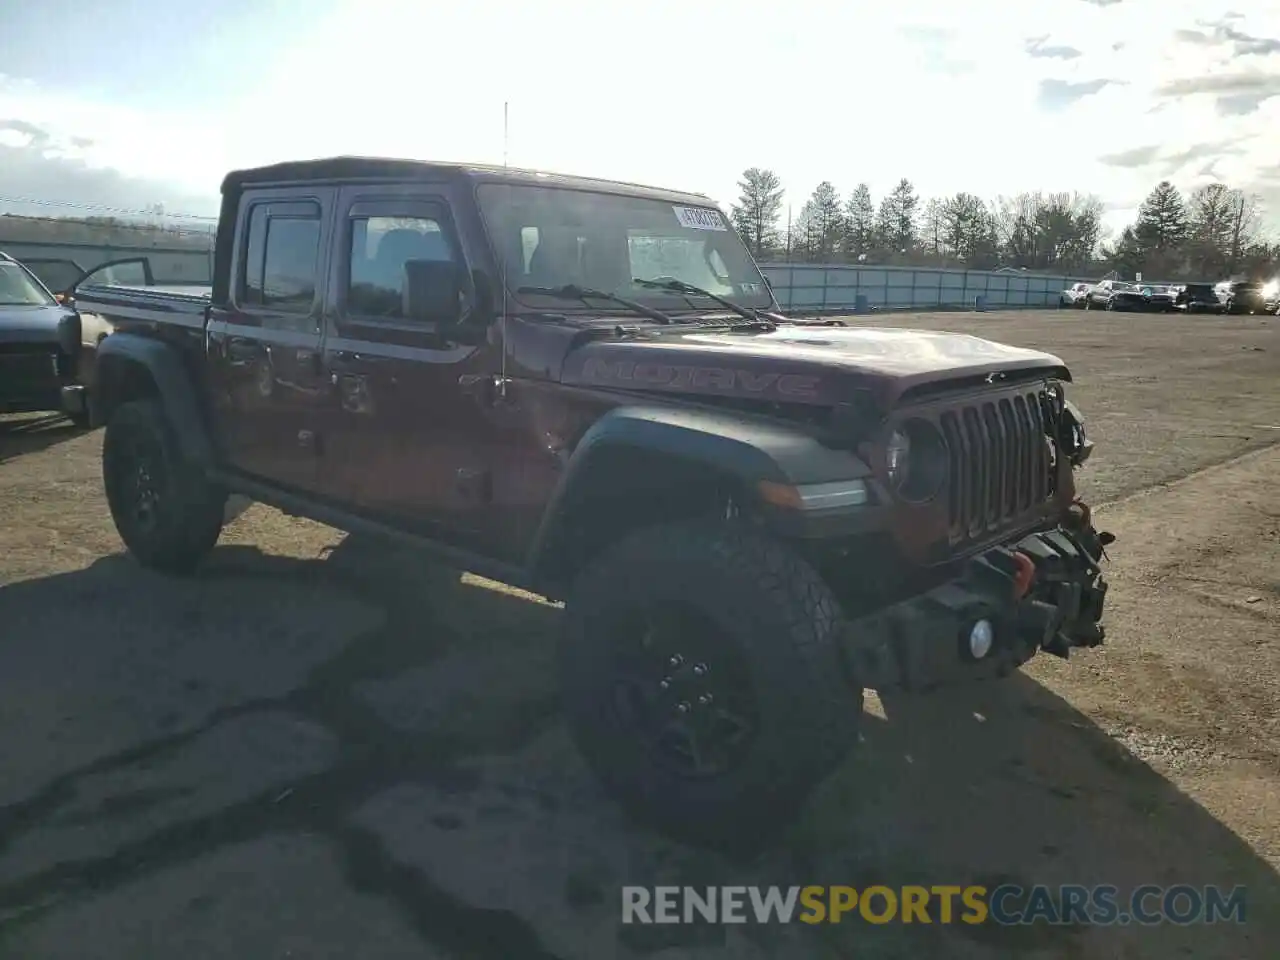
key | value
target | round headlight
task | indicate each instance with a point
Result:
(916, 461)
(897, 456)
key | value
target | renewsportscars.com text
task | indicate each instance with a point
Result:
(1006, 905)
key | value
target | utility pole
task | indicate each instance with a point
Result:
(788, 233)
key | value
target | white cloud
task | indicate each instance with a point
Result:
(686, 95)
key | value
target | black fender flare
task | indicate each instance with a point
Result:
(122, 356)
(749, 450)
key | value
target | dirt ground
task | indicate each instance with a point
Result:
(318, 749)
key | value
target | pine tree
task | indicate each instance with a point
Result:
(896, 222)
(967, 227)
(859, 223)
(755, 215)
(1161, 227)
(825, 220)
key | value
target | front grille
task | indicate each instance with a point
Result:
(27, 364)
(1000, 464)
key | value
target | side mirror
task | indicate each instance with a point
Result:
(433, 292)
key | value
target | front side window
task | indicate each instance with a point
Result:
(553, 236)
(380, 248)
(18, 289)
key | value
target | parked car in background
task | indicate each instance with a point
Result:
(39, 347)
(1240, 296)
(1074, 295)
(1196, 298)
(1115, 295)
(47, 348)
(1158, 297)
(1271, 296)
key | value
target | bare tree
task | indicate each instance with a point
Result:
(1244, 214)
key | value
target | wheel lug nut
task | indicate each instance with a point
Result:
(699, 669)
(675, 661)
(683, 706)
(665, 684)
(705, 699)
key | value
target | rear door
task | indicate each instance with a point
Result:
(269, 385)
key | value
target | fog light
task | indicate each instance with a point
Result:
(982, 637)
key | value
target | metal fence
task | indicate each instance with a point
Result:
(169, 264)
(830, 288)
(802, 287)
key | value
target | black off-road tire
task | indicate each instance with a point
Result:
(774, 611)
(186, 518)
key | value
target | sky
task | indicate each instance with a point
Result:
(128, 103)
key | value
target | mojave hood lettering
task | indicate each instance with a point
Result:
(797, 364)
(681, 377)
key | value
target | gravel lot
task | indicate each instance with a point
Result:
(318, 748)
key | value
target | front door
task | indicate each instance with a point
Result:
(269, 384)
(404, 434)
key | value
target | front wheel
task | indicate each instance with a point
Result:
(703, 680)
(166, 511)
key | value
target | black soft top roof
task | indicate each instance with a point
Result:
(382, 168)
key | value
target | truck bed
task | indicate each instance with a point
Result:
(180, 304)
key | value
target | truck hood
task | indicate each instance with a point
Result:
(30, 324)
(819, 365)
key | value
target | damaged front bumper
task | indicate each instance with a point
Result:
(1042, 591)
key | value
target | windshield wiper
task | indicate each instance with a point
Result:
(570, 291)
(679, 286)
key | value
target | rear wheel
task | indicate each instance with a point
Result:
(703, 681)
(165, 510)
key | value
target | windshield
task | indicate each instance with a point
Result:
(552, 236)
(17, 288)
(1126, 287)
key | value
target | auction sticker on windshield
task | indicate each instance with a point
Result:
(698, 218)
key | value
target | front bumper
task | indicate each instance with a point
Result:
(923, 642)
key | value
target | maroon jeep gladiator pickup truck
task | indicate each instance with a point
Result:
(587, 389)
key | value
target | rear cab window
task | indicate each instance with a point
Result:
(281, 262)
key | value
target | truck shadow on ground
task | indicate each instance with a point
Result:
(20, 435)
(451, 776)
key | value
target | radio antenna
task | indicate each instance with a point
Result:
(502, 251)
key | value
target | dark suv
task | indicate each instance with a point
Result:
(39, 346)
(1241, 296)
(587, 389)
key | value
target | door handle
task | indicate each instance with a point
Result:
(242, 350)
(487, 389)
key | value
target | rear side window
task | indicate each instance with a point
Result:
(281, 256)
